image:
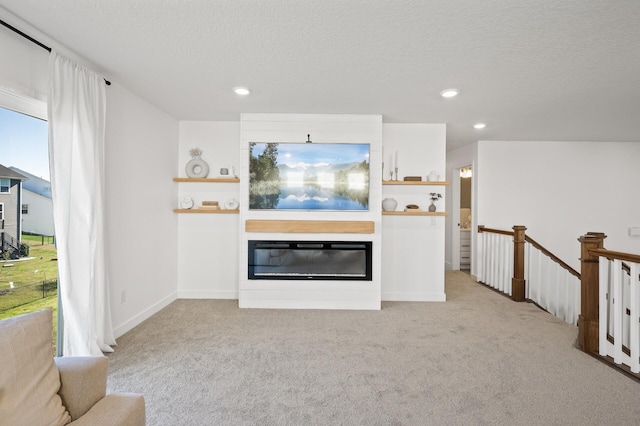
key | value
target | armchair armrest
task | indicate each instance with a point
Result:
(115, 409)
(83, 382)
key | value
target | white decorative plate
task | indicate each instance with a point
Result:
(186, 203)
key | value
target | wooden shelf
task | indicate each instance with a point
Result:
(310, 226)
(219, 180)
(214, 211)
(413, 182)
(419, 213)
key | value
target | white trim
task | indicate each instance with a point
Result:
(15, 101)
(1, 211)
(417, 296)
(144, 315)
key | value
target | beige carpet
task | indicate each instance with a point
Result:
(478, 359)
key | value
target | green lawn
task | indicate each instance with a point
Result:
(41, 265)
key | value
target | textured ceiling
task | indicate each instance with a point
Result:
(532, 70)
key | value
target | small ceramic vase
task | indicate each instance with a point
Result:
(389, 204)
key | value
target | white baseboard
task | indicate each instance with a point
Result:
(142, 316)
(207, 294)
(413, 297)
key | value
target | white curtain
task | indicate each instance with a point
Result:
(76, 112)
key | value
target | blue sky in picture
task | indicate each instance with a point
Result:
(317, 153)
(24, 143)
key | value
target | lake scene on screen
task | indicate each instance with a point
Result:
(308, 176)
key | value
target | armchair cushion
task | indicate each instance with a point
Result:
(83, 382)
(29, 379)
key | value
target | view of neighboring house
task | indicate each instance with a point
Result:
(10, 208)
(37, 205)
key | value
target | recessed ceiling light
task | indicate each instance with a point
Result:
(241, 90)
(479, 126)
(449, 93)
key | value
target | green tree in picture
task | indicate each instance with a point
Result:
(264, 177)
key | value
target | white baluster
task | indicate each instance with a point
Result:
(626, 299)
(604, 304)
(527, 262)
(634, 328)
(561, 301)
(502, 265)
(509, 260)
(482, 257)
(618, 307)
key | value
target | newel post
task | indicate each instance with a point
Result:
(517, 282)
(588, 320)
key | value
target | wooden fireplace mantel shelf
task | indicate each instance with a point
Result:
(310, 226)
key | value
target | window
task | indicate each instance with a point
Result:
(5, 185)
(24, 145)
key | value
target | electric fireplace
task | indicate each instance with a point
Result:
(309, 260)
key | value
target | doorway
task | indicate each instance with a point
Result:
(462, 217)
(466, 176)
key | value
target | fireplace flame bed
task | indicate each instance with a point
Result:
(310, 260)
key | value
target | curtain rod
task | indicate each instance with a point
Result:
(33, 40)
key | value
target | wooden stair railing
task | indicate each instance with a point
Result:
(588, 319)
(609, 325)
(565, 308)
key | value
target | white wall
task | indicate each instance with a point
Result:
(561, 190)
(208, 244)
(24, 64)
(140, 163)
(39, 220)
(413, 246)
(23, 68)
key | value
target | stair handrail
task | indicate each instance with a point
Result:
(519, 284)
(482, 228)
(552, 256)
(611, 254)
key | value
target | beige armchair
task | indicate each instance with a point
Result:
(83, 390)
(36, 389)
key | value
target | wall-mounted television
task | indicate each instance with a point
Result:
(308, 176)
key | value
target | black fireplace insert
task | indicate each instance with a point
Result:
(310, 260)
